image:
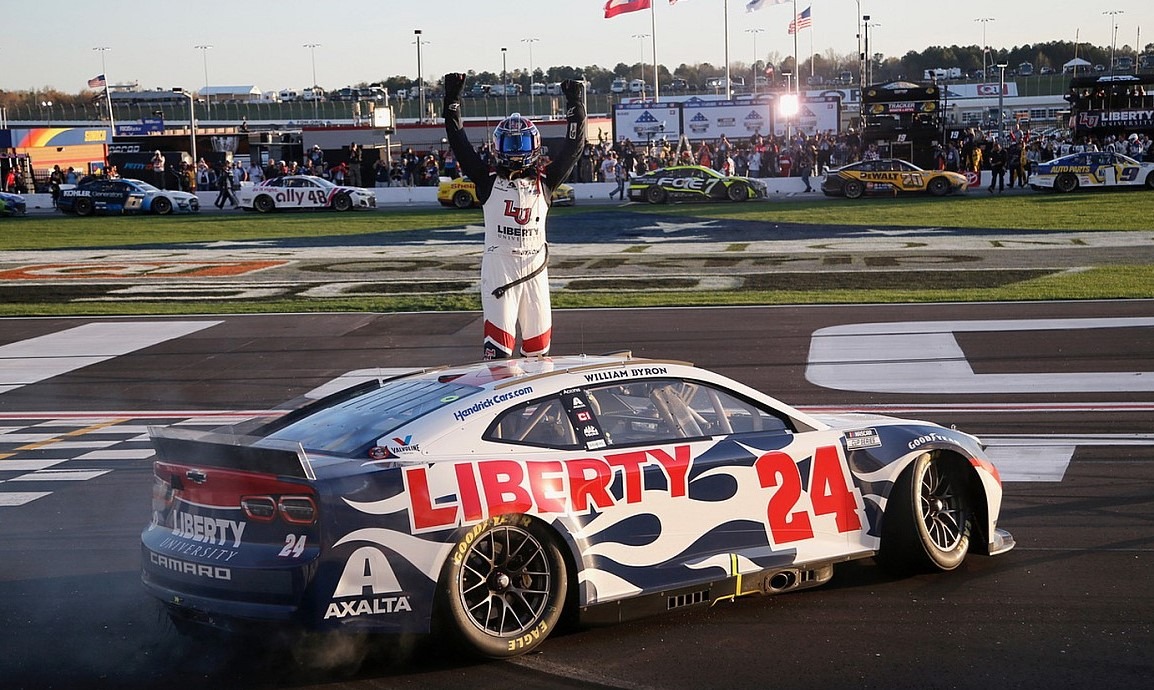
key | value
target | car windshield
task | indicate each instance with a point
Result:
(321, 182)
(350, 426)
(143, 186)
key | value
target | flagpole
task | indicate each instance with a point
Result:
(656, 76)
(107, 94)
(796, 63)
(728, 81)
(811, 60)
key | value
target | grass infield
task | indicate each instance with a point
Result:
(1090, 212)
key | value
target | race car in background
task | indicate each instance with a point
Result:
(462, 193)
(123, 195)
(12, 204)
(693, 183)
(494, 498)
(303, 192)
(889, 176)
(1090, 170)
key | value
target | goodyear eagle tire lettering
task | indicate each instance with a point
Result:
(503, 588)
(928, 518)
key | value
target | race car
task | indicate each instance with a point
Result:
(889, 176)
(303, 191)
(12, 204)
(693, 183)
(1098, 169)
(462, 193)
(123, 195)
(490, 500)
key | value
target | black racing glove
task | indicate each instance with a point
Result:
(454, 85)
(574, 90)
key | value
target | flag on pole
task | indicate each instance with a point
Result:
(802, 21)
(616, 7)
(97, 82)
(758, 4)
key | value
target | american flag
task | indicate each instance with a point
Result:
(802, 21)
(616, 7)
(96, 82)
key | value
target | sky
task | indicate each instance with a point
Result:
(262, 43)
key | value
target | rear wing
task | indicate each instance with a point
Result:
(230, 451)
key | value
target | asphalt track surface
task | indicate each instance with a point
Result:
(1062, 392)
(1072, 604)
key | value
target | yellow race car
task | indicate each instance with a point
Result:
(889, 176)
(462, 193)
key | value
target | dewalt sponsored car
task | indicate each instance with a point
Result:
(889, 176)
(462, 193)
(1092, 170)
(693, 183)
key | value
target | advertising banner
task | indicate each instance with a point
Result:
(647, 121)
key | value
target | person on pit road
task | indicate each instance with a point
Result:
(514, 197)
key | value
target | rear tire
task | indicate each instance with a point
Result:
(656, 195)
(1150, 181)
(462, 199)
(928, 518)
(1066, 183)
(853, 189)
(264, 204)
(504, 587)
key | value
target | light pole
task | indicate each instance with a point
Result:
(532, 96)
(191, 126)
(48, 105)
(985, 46)
(641, 40)
(505, 78)
(869, 59)
(754, 32)
(1113, 34)
(104, 74)
(420, 84)
(313, 54)
(1001, 100)
(204, 48)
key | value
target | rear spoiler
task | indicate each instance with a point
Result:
(229, 451)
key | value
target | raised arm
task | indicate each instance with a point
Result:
(468, 160)
(562, 164)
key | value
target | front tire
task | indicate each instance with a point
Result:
(1150, 181)
(504, 587)
(928, 518)
(161, 206)
(853, 189)
(342, 202)
(1066, 183)
(939, 186)
(655, 195)
(737, 192)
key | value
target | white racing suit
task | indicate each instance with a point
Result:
(514, 277)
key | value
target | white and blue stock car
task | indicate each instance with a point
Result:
(494, 498)
(1090, 170)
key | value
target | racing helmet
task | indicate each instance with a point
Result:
(517, 142)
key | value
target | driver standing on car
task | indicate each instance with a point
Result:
(514, 197)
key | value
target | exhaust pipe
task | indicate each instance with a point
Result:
(782, 580)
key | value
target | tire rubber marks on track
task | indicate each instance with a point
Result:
(924, 357)
(46, 356)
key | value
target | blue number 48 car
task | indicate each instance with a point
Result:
(1096, 169)
(490, 499)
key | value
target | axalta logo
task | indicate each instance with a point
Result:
(519, 215)
(550, 487)
(212, 572)
(368, 607)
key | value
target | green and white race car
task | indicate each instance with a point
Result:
(693, 183)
